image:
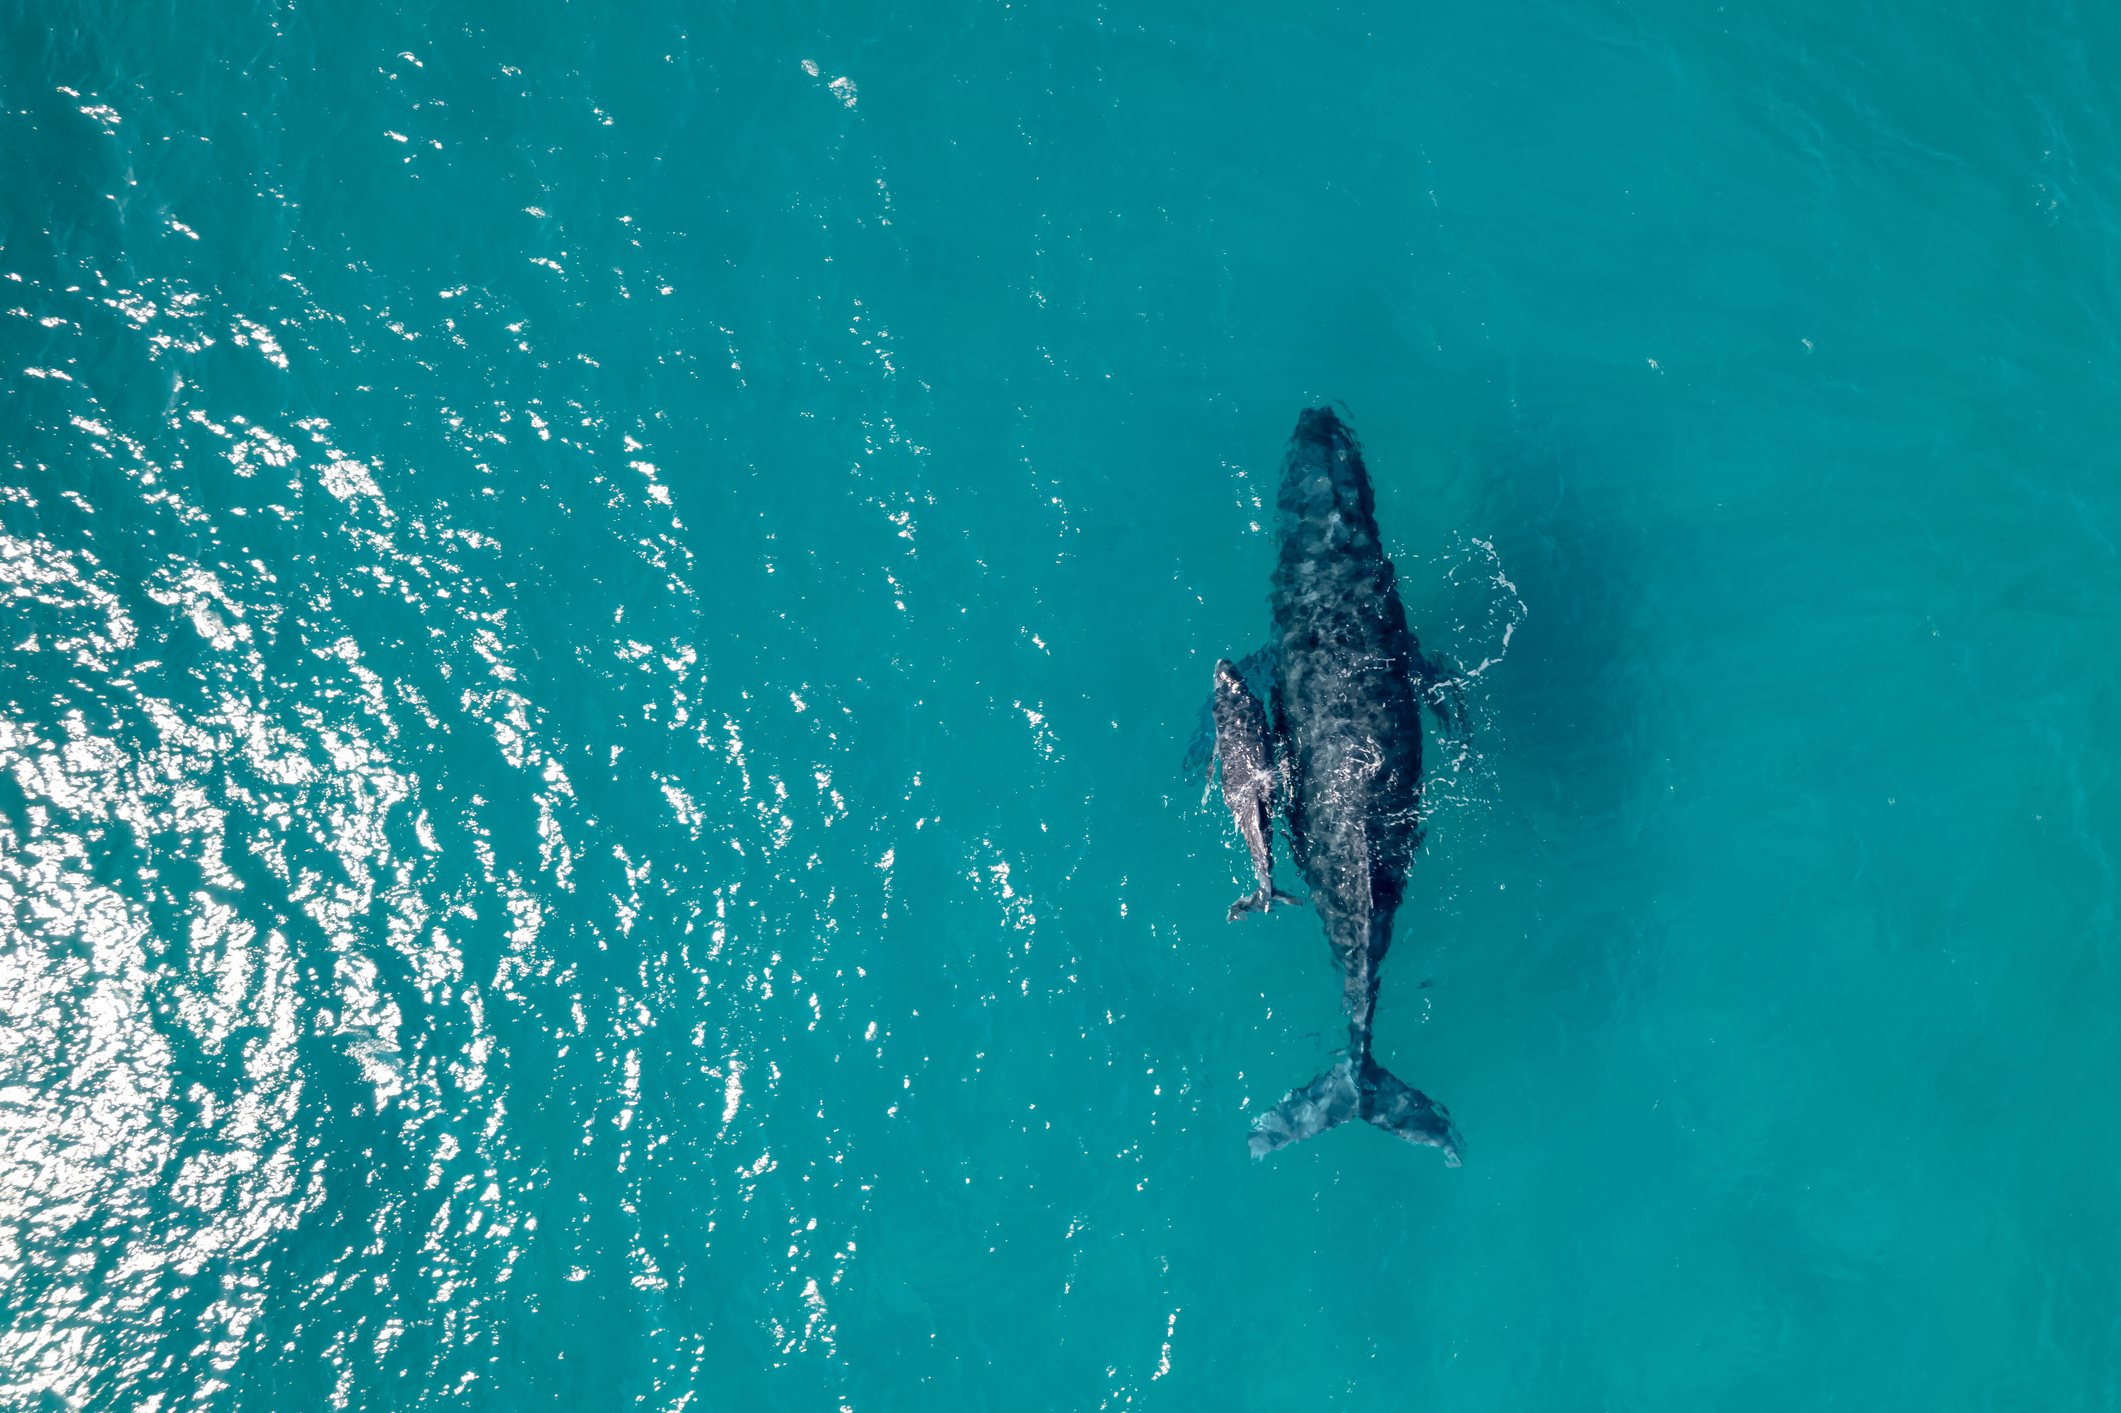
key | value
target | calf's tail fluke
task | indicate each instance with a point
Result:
(1357, 1087)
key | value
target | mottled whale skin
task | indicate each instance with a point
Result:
(1246, 751)
(1347, 711)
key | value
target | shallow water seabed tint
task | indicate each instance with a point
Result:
(602, 607)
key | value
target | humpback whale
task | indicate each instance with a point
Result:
(1347, 697)
(1246, 753)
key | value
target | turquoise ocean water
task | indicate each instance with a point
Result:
(603, 603)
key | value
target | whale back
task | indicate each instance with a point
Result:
(1345, 696)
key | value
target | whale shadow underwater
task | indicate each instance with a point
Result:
(1340, 762)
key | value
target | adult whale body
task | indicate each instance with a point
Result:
(1347, 702)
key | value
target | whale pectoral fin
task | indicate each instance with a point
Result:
(1258, 668)
(1443, 687)
(1327, 1100)
(1200, 745)
(1398, 1108)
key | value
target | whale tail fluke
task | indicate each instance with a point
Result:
(1399, 1108)
(1353, 1089)
(1334, 1097)
(1261, 901)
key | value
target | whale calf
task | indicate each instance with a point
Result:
(1246, 752)
(1347, 699)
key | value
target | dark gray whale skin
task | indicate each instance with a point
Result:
(1347, 708)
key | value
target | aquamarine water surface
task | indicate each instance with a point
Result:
(603, 603)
